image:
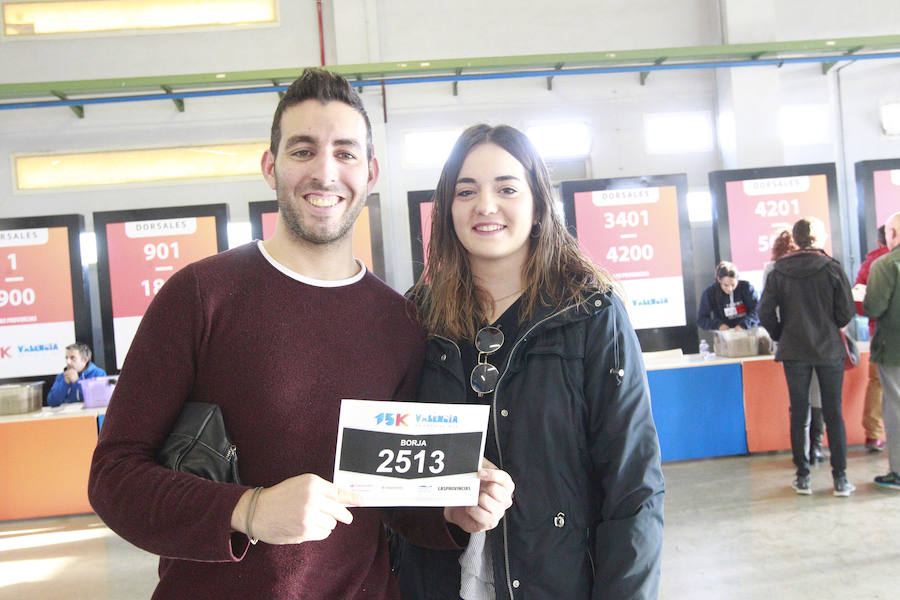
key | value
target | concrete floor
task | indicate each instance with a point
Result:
(734, 530)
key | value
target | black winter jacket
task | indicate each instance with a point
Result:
(812, 293)
(571, 423)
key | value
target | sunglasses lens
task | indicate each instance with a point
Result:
(488, 339)
(484, 378)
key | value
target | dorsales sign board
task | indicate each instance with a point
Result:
(753, 206)
(36, 305)
(887, 194)
(634, 234)
(759, 209)
(142, 257)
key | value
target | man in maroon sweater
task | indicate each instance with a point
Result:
(275, 333)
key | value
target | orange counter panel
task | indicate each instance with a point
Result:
(766, 404)
(44, 466)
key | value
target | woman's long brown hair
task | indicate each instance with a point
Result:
(556, 272)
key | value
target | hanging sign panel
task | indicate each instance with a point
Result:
(637, 229)
(140, 254)
(878, 197)
(368, 245)
(39, 281)
(887, 194)
(754, 206)
(631, 235)
(419, 205)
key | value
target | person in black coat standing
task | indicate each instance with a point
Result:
(805, 302)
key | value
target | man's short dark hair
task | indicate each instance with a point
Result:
(81, 348)
(882, 238)
(323, 86)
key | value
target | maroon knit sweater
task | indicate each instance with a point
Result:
(277, 355)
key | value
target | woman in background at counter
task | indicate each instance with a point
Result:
(729, 303)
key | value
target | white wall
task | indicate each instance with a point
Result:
(361, 31)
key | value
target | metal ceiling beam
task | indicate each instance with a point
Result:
(78, 109)
(97, 91)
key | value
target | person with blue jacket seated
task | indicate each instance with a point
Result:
(78, 366)
(729, 303)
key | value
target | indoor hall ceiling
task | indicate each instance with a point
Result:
(77, 93)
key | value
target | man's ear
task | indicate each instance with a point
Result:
(373, 174)
(267, 165)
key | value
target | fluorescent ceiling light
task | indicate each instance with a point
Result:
(422, 149)
(699, 206)
(117, 167)
(890, 118)
(239, 233)
(804, 124)
(82, 16)
(88, 248)
(561, 140)
(678, 132)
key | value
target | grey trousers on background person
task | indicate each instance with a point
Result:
(890, 411)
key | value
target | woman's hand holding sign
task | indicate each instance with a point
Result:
(494, 497)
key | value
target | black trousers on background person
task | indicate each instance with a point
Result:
(831, 377)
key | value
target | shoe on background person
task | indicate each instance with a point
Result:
(874, 445)
(891, 480)
(842, 487)
(801, 485)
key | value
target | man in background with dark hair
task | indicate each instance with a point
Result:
(78, 366)
(871, 420)
(276, 333)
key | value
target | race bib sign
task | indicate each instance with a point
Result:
(410, 454)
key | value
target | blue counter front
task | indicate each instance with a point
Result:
(699, 411)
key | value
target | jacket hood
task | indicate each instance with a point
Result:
(803, 264)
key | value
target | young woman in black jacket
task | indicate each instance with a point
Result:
(804, 304)
(520, 319)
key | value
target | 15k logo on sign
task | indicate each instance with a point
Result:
(391, 419)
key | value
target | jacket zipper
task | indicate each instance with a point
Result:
(509, 586)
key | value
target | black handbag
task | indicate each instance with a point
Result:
(199, 444)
